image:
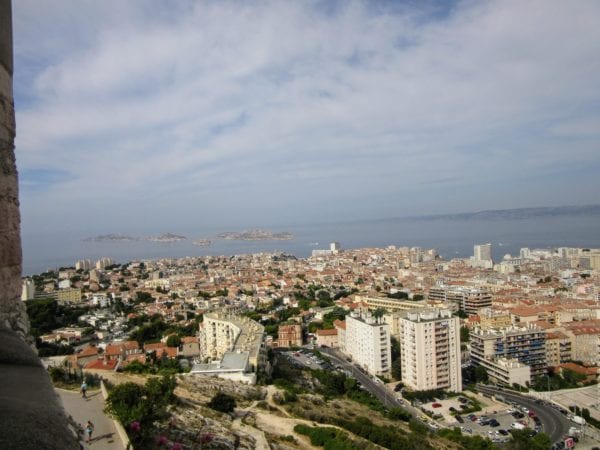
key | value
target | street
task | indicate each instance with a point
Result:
(555, 424)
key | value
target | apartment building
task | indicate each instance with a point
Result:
(222, 333)
(482, 256)
(390, 304)
(340, 326)
(525, 344)
(507, 371)
(430, 349)
(558, 348)
(466, 299)
(585, 340)
(489, 318)
(368, 342)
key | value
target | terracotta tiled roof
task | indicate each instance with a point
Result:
(340, 324)
(332, 332)
(100, 364)
(90, 350)
(152, 347)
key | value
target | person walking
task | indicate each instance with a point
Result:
(83, 389)
(89, 429)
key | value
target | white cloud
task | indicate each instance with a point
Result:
(222, 97)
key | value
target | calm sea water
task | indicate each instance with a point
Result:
(452, 238)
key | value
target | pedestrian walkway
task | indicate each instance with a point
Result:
(105, 435)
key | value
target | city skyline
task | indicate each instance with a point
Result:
(224, 114)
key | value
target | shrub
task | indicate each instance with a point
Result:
(222, 402)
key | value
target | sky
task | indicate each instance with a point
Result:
(145, 116)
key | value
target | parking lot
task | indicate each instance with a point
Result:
(305, 358)
(497, 426)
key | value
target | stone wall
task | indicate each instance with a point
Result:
(31, 416)
(12, 309)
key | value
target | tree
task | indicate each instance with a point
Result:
(125, 402)
(481, 375)
(522, 441)
(222, 402)
(465, 335)
(173, 341)
(397, 368)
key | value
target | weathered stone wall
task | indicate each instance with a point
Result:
(30, 415)
(12, 309)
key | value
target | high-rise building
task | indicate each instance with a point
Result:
(482, 252)
(83, 264)
(368, 342)
(103, 263)
(430, 350)
(526, 344)
(482, 256)
(466, 299)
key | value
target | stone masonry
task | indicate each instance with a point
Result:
(12, 309)
(31, 416)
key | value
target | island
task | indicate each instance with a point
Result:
(111, 237)
(166, 237)
(256, 235)
(202, 242)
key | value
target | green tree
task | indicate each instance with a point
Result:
(465, 334)
(126, 402)
(522, 441)
(481, 375)
(397, 368)
(222, 402)
(173, 341)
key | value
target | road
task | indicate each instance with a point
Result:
(554, 423)
(105, 435)
(379, 390)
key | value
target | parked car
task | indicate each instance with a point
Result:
(459, 419)
(531, 414)
(503, 432)
(436, 405)
(494, 423)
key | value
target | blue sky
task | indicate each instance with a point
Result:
(141, 116)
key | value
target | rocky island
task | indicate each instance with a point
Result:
(256, 235)
(111, 237)
(166, 237)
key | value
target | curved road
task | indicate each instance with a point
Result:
(554, 423)
(377, 389)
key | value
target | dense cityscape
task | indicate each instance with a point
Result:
(413, 334)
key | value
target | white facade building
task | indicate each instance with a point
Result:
(368, 343)
(482, 256)
(430, 350)
(28, 289)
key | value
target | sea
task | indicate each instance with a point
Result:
(452, 237)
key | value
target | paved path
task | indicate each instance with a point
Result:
(105, 435)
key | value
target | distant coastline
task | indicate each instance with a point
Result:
(517, 213)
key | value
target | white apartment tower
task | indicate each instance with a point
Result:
(368, 343)
(482, 256)
(430, 350)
